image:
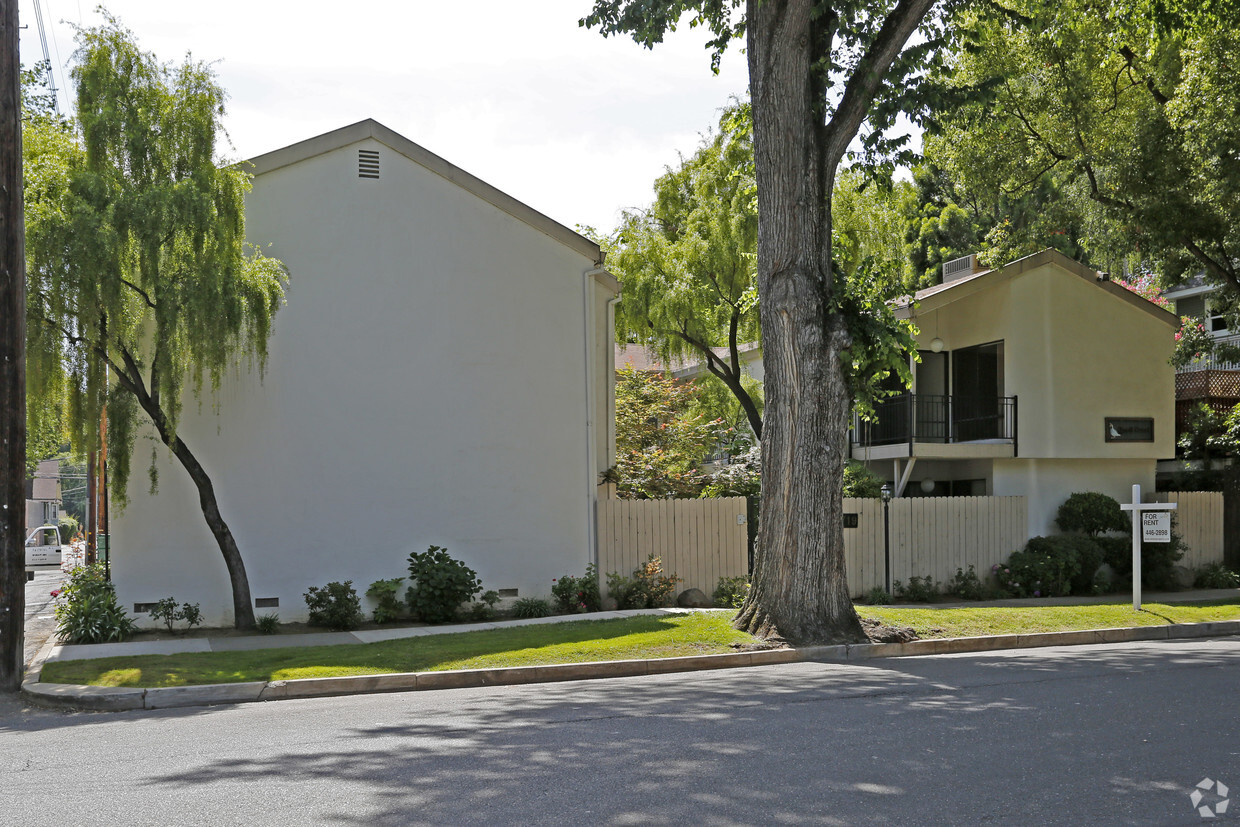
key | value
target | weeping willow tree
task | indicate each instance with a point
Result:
(141, 289)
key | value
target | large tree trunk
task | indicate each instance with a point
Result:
(243, 606)
(799, 591)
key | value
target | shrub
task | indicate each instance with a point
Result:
(918, 590)
(267, 624)
(1051, 567)
(730, 592)
(484, 609)
(169, 612)
(877, 596)
(388, 606)
(648, 588)
(69, 527)
(336, 606)
(87, 611)
(531, 607)
(577, 594)
(1216, 576)
(1092, 514)
(966, 585)
(1157, 559)
(439, 585)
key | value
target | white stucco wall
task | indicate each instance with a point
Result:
(427, 384)
(1046, 483)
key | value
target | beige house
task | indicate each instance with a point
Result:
(442, 374)
(1036, 379)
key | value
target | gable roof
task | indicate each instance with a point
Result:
(939, 295)
(370, 128)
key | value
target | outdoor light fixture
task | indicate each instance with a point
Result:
(927, 486)
(885, 493)
(936, 344)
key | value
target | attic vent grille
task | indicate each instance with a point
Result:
(960, 267)
(367, 163)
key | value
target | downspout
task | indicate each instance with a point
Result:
(588, 279)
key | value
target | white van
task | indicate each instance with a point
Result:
(43, 546)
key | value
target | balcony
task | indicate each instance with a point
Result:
(933, 426)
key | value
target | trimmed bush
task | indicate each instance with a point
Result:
(1051, 567)
(335, 606)
(1216, 576)
(439, 585)
(1092, 513)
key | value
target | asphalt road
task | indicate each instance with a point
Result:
(1115, 734)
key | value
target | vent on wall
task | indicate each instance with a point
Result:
(266, 602)
(367, 163)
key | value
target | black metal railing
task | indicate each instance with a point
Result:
(937, 418)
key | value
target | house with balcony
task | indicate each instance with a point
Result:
(1035, 379)
(1208, 380)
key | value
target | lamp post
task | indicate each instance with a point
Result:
(885, 492)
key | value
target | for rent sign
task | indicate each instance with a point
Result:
(1156, 526)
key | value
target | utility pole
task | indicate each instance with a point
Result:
(12, 360)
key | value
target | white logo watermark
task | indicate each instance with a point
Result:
(1215, 790)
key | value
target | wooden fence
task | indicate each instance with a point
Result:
(1199, 520)
(702, 540)
(932, 536)
(698, 540)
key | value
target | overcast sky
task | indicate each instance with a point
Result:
(572, 124)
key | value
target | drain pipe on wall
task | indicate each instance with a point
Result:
(608, 281)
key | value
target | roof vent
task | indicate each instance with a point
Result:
(958, 268)
(367, 163)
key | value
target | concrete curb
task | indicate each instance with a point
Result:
(113, 699)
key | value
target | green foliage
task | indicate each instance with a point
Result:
(730, 592)
(687, 263)
(860, 482)
(388, 606)
(648, 588)
(526, 607)
(1216, 576)
(1053, 566)
(577, 594)
(87, 611)
(439, 585)
(484, 609)
(69, 527)
(966, 585)
(335, 606)
(919, 589)
(1127, 109)
(169, 612)
(1091, 513)
(135, 242)
(267, 624)
(877, 596)
(659, 446)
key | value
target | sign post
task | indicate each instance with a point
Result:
(1151, 522)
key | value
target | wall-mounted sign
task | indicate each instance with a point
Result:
(850, 520)
(1129, 429)
(1156, 526)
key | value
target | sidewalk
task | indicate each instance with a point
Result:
(107, 698)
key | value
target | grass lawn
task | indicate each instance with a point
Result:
(648, 636)
(1009, 620)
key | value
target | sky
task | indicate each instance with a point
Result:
(572, 124)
